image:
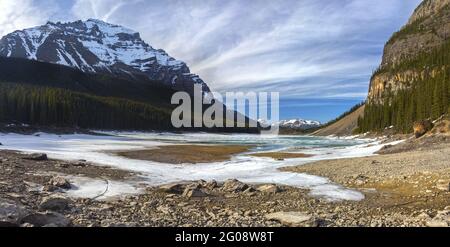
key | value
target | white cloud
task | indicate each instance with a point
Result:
(20, 14)
(303, 48)
(309, 47)
(99, 9)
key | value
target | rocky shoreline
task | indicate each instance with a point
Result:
(33, 194)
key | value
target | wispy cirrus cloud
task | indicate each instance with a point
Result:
(20, 14)
(302, 48)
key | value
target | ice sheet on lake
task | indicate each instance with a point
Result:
(83, 187)
(242, 167)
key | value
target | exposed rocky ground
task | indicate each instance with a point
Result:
(412, 177)
(31, 196)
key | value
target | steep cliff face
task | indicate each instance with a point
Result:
(428, 8)
(412, 82)
(427, 30)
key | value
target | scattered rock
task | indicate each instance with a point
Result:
(174, 188)
(294, 219)
(164, 209)
(443, 185)
(81, 163)
(54, 204)
(269, 188)
(36, 157)
(234, 185)
(63, 165)
(250, 191)
(50, 188)
(424, 216)
(437, 223)
(47, 219)
(211, 185)
(60, 182)
(360, 180)
(194, 193)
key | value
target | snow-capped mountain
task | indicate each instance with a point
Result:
(97, 46)
(297, 124)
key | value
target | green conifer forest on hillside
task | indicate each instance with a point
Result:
(426, 97)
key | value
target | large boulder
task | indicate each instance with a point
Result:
(422, 127)
(211, 185)
(293, 219)
(269, 188)
(235, 186)
(194, 193)
(60, 182)
(36, 157)
(47, 219)
(55, 203)
(442, 127)
(11, 213)
(173, 188)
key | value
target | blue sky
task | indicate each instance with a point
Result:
(311, 51)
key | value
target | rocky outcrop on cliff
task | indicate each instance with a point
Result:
(428, 8)
(427, 29)
(412, 83)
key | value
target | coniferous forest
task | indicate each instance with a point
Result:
(59, 107)
(426, 97)
(44, 94)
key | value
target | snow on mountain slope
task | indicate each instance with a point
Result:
(97, 46)
(299, 124)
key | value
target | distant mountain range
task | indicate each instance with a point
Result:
(99, 47)
(294, 124)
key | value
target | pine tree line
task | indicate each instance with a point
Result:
(59, 107)
(427, 98)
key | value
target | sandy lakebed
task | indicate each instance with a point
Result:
(404, 188)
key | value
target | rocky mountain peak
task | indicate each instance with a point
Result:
(297, 124)
(427, 8)
(96, 46)
(427, 29)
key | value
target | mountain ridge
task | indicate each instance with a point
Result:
(95, 46)
(295, 124)
(411, 83)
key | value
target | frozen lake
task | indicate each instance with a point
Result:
(249, 169)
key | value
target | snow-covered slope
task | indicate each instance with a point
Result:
(298, 124)
(97, 46)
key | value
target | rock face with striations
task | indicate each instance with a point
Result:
(427, 29)
(99, 47)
